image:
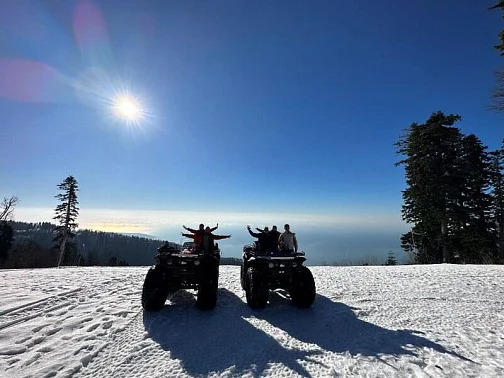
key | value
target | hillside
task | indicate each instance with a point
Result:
(415, 321)
(94, 247)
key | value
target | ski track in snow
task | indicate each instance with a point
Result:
(401, 321)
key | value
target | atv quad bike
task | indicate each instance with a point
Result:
(182, 269)
(261, 273)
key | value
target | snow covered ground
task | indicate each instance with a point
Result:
(401, 321)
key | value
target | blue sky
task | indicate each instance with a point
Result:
(274, 107)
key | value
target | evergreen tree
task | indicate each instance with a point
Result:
(92, 258)
(432, 179)
(497, 182)
(500, 5)
(6, 239)
(66, 214)
(498, 92)
(473, 234)
(112, 261)
(391, 260)
(447, 199)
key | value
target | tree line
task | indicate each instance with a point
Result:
(33, 247)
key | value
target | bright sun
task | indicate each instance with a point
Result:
(128, 109)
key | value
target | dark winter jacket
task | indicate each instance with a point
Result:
(272, 239)
(262, 239)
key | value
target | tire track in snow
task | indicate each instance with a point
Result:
(78, 321)
(26, 312)
(36, 303)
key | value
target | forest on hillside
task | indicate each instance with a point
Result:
(33, 242)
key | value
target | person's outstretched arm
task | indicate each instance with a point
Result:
(254, 234)
(219, 237)
(190, 229)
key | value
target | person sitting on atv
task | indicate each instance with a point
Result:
(262, 239)
(206, 240)
(273, 236)
(199, 233)
(288, 241)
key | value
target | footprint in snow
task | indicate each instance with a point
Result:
(12, 361)
(45, 349)
(38, 328)
(107, 325)
(31, 360)
(21, 341)
(51, 332)
(37, 340)
(93, 327)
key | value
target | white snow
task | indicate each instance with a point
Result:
(399, 321)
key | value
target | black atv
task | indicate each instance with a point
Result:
(261, 273)
(178, 269)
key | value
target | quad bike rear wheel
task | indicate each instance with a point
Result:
(242, 277)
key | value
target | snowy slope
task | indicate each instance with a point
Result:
(403, 321)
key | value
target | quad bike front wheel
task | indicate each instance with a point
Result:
(207, 291)
(256, 288)
(303, 288)
(154, 293)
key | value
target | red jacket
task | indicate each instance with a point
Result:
(197, 234)
(198, 238)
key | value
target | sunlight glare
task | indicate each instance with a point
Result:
(127, 108)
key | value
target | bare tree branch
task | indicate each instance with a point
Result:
(7, 207)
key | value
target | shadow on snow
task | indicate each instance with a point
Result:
(335, 327)
(223, 339)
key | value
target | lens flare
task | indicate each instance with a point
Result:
(128, 109)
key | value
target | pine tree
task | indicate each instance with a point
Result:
(497, 182)
(432, 179)
(447, 198)
(498, 92)
(500, 46)
(473, 231)
(6, 239)
(66, 214)
(391, 260)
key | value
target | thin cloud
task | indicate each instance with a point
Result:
(122, 220)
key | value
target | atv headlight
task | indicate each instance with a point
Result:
(197, 262)
(294, 265)
(271, 265)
